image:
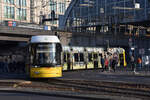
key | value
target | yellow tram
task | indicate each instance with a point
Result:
(48, 58)
(45, 57)
(89, 57)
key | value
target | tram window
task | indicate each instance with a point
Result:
(90, 57)
(100, 55)
(95, 56)
(81, 57)
(76, 58)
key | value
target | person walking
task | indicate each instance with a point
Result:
(102, 63)
(114, 63)
(133, 65)
(6, 66)
(106, 63)
(110, 62)
(139, 63)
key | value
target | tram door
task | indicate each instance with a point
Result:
(90, 61)
(78, 61)
(67, 61)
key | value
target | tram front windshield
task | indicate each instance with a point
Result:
(46, 55)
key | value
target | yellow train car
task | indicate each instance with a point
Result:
(75, 58)
(44, 57)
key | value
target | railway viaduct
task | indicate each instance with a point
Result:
(12, 39)
(17, 34)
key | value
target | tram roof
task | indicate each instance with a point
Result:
(45, 39)
(81, 49)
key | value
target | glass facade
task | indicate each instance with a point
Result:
(59, 7)
(21, 14)
(53, 5)
(62, 7)
(106, 16)
(21, 3)
(9, 12)
(32, 10)
(9, 1)
(15, 9)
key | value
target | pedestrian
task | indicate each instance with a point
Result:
(6, 67)
(114, 64)
(3, 64)
(68, 62)
(102, 63)
(133, 65)
(106, 63)
(110, 62)
(139, 63)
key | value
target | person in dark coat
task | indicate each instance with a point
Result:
(114, 63)
(102, 63)
(133, 65)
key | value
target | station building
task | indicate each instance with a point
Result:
(115, 23)
(22, 12)
(106, 16)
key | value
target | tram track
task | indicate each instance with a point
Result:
(92, 87)
(107, 87)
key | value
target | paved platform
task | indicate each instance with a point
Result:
(139, 77)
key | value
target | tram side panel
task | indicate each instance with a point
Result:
(74, 60)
